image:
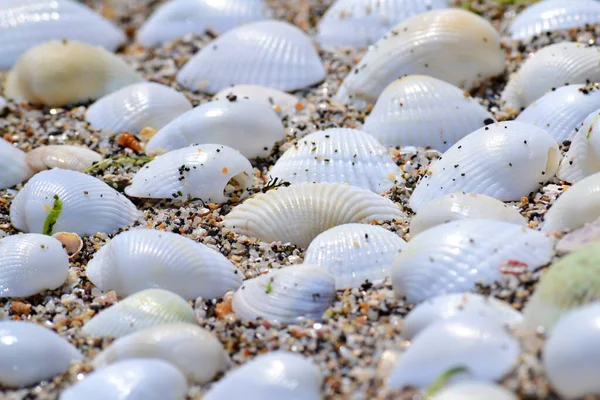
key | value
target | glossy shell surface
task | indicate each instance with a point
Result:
(583, 157)
(13, 165)
(75, 158)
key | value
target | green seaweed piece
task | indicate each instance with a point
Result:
(118, 160)
(52, 216)
(443, 379)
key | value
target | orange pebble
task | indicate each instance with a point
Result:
(129, 141)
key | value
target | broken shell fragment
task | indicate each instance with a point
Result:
(13, 165)
(583, 157)
(71, 242)
(74, 158)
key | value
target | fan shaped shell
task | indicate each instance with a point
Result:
(75, 158)
(275, 99)
(13, 165)
(583, 157)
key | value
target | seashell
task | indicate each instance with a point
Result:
(280, 102)
(360, 23)
(583, 157)
(298, 213)
(25, 24)
(210, 172)
(177, 18)
(453, 257)
(13, 167)
(136, 379)
(88, 204)
(453, 45)
(423, 111)
(246, 126)
(338, 155)
(561, 111)
(71, 242)
(183, 345)
(474, 391)
(31, 353)
(136, 107)
(60, 73)
(460, 205)
(2, 103)
(286, 295)
(268, 53)
(141, 310)
(505, 160)
(355, 253)
(144, 258)
(579, 238)
(74, 158)
(275, 375)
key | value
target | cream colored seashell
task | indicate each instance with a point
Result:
(71, 242)
(89, 205)
(279, 101)
(268, 53)
(141, 310)
(355, 253)
(474, 391)
(64, 72)
(244, 125)
(74, 158)
(453, 45)
(13, 167)
(194, 350)
(299, 213)
(209, 172)
(137, 106)
(453, 257)
(583, 157)
(338, 155)
(143, 258)
(589, 233)
(505, 160)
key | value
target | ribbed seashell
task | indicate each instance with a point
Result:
(474, 391)
(31, 353)
(144, 258)
(89, 205)
(137, 106)
(141, 310)
(561, 111)
(194, 350)
(177, 18)
(135, 379)
(286, 295)
(75, 158)
(25, 24)
(583, 157)
(268, 53)
(280, 102)
(64, 72)
(453, 45)
(275, 375)
(505, 160)
(453, 257)
(203, 171)
(247, 126)
(338, 155)
(355, 253)
(298, 213)
(589, 233)
(460, 205)
(13, 165)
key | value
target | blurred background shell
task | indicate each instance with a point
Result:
(13, 165)
(75, 158)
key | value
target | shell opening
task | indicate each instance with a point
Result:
(553, 160)
(236, 186)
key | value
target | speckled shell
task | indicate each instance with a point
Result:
(177, 18)
(247, 126)
(583, 157)
(13, 167)
(298, 213)
(474, 391)
(505, 160)
(278, 101)
(453, 257)
(454, 45)
(75, 158)
(25, 24)
(579, 238)
(194, 350)
(59, 73)
(269, 53)
(355, 253)
(89, 205)
(31, 353)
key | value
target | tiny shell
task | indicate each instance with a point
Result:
(579, 238)
(74, 158)
(13, 165)
(583, 157)
(272, 98)
(474, 391)
(71, 242)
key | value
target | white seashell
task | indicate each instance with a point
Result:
(88, 204)
(453, 45)
(13, 167)
(355, 253)
(583, 157)
(589, 233)
(273, 98)
(31, 353)
(505, 160)
(25, 24)
(460, 205)
(246, 126)
(474, 391)
(75, 158)
(298, 213)
(141, 310)
(2, 103)
(203, 171)
(177, 18)
(286, 295)
(61, 72)
(144, 258)
(136, 379)
(338, 155)
(275, 375)
(136, 107)
(194, 350)
(268, 53)
(453, 257)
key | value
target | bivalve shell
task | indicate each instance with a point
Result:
(75, 158)
(278, 101)
(13, 165)
(589, 233)
(474, 391)
(583, 157)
